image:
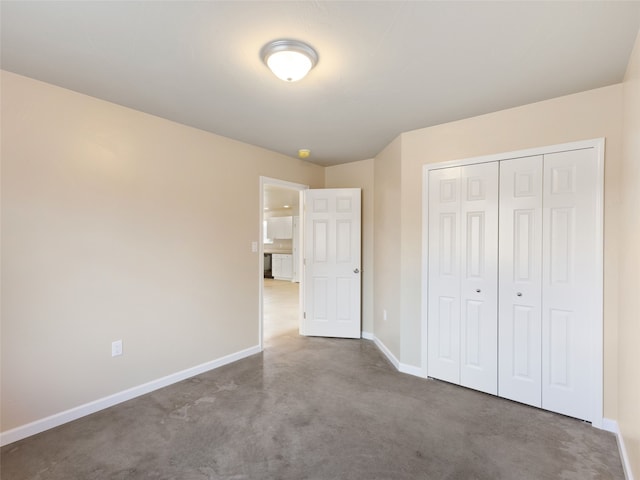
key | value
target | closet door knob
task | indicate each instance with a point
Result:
(519, 294)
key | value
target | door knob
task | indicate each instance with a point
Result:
(478, 290)
(519, 294)
(356, 271)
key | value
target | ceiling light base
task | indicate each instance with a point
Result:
(289, 60)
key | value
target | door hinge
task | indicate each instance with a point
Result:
(304, 315)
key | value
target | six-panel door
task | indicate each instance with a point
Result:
(332, 262)
(523, 333)
(463, 238)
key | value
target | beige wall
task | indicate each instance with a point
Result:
(387, 246)
(628, 295)
(115, 225)
(587, 115)
(360, 175)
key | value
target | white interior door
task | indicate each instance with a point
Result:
(462, 305)
(520, 288)
(443, 328)
(547, 249)
(569, 286)
(295, 250)
(479, 277)
(332, 285)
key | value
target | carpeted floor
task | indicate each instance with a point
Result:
(316, 408)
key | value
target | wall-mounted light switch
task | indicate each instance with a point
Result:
(116, 348)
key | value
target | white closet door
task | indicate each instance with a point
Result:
(479, 277)
(520, 288)
(463, 242)
(569, 286)
(443, 340)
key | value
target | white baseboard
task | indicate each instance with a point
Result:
(387, 353)
(412, 370)
(401, 367)
(58, 419)
(612, 426)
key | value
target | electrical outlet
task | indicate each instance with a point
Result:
(254, 247)
(116, 348)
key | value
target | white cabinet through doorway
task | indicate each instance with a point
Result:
(280, 228)
(282, 266)
(514, 290)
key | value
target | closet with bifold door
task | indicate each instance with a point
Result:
(463, 248)
(514, 277)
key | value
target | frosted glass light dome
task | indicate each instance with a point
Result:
(289, 60)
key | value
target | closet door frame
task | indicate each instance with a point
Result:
(596, 334)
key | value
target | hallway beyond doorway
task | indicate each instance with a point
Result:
(281, 300)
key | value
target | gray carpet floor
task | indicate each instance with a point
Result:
(316, 408)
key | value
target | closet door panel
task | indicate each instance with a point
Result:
(443, 341)
(520, 288)
(568, 287)
(479, 277)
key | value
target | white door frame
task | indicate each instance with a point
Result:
(598, 334)
(277, 183)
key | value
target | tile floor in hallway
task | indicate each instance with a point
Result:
(280, 308)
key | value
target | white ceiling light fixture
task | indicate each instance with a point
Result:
(289, 60)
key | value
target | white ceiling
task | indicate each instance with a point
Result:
(385, 67)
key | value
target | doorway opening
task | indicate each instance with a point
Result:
(280, 258)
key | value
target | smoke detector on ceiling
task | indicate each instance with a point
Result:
(304, 153)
